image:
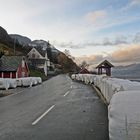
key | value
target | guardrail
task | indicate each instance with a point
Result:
(6, 83)
(123, 99)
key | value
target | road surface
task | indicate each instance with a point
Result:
(58, 109)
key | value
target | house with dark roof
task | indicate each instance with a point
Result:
(84, 71)
(105, 67)
(38, 59)
(13, 67)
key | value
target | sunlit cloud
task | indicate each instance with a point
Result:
(128, 54)
(96, 16)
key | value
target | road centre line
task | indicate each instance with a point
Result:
(66, 93)
(45, 113)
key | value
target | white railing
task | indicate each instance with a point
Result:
(123, 97)
(6, 83)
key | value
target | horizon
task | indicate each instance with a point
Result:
(91, 30)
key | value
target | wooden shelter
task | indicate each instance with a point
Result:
(104, 67)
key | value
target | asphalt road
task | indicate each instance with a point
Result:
(58, 109)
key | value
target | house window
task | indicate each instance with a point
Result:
(33, 55)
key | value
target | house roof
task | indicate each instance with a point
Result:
(10, 63)
(105, 63)
(84, 71)
(42, 52)
(39, 49)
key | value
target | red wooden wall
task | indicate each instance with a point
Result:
(6, 75)
(19, 72)
(25, 69)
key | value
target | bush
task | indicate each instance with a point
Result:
(37, 73)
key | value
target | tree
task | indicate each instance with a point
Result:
(1, 54)
(67, 64)
(1, 50)
(67, 53)
(84, 64)
(49, 53)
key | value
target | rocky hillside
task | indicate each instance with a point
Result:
(10, 45)
(22, 45)
(4, 37)
(23, 40)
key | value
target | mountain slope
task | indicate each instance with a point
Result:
(4, 37)
(130, 71)
(23, 40)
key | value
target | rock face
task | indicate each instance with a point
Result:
(8, 44)
(4, 37)
(23, 40)
(27, 42)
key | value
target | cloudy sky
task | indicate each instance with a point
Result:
(92, 30)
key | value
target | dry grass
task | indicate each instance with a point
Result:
(4, 93)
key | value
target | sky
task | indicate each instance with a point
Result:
(92, 30)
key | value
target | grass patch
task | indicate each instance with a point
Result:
(5, 94)
(37, 73)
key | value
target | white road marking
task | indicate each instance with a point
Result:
(17, 93)
(45, 113)
(66, 93)
(71, 87)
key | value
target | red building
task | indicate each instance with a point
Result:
(13, 67)
(84, 71)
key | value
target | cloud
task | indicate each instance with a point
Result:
(130, 53)
(130, 5)
(110, 42)
(127, 55)
(91, 60)
(96, 16)
(135, 2)
(137, 38)
(120, 40)
(68, 45)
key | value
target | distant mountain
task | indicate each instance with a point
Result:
(24, 44)
(7, 44)
(4, 37)
(28, 43)
(23, 40)
(130, 71)
(43, 44)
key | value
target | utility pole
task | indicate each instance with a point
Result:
(15, 46)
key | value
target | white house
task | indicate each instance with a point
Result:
(38, 59)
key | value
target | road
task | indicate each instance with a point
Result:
(58, 109)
